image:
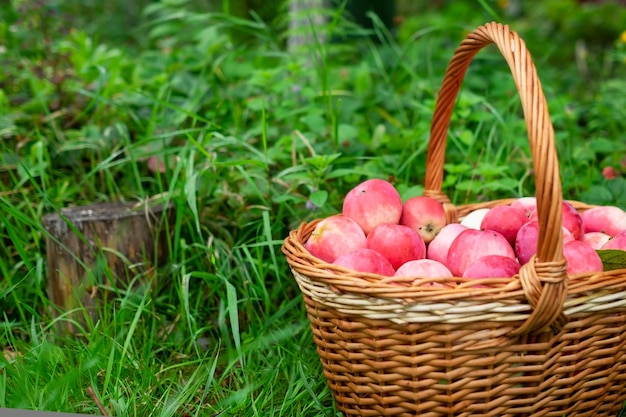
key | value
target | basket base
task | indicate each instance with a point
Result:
(380, 368)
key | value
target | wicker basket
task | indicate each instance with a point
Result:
(540, 344)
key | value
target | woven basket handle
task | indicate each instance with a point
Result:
(543, 279)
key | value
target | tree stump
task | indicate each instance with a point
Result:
(95, 250)
(303, 14)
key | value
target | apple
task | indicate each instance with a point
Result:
(365, 260)
(472, 244)
(526, 204)
(505, 220)
(616, 242)
(398, 243)
(424, 268)
(607, 219)
(609, 173)
(335, 236)
(526, 241)
(581, 258)
(595, 239)
(474, 218)
(425, 215)
(571, 219)
(492, 266)
(438, 248)
(567, 235)
(527, 238)
(371, 203)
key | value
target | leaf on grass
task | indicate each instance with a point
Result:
(597, 194)
(233, 313)
(612, 259)
(347, 132)
(319, 197)
(457, 168)
(407, 192)
(467, 137)
(604, 146)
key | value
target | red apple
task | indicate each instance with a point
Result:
(572, 220)
(567, 236)
(581, 258)
(424, 268)
(595, 239)
(371, 203)
(527, 238)
(609, 173)
(335, 236)
(505, 220)
(472, 244)
(526, 241)
(492, 266)
(398, 243)
(438, 248)
(526, 204)
(425, 215)
(607, 219)
(616, 242)
(365, 260)
(474, 218)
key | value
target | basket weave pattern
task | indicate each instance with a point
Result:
(540, 344)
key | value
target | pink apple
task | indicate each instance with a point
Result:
(335, 236)
(472, 244)
(424, 268)
(474, 218)
(397, 243)
(567, 235)
(581, 258)
(595, 239)
(527, 238)
(607, 219)
(425, 215)
(365, 260)
(526, 241)
(609, 173)
(616, 242)
(526, 204)
(438, 248)
(572, 220)
(505, 220)
(492, 266)
(371, 203)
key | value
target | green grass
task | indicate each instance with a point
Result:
(255, 141)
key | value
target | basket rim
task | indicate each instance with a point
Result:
(380, 286)
(378, 297)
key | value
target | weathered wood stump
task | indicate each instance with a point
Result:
(95, 250)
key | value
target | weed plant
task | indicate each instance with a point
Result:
(246, 141)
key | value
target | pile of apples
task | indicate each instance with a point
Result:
(378, 233)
